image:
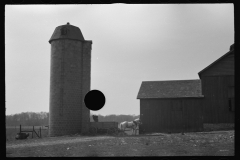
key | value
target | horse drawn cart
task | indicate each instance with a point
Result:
(103, 127)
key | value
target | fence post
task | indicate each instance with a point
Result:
(32, 131)
(40, 133)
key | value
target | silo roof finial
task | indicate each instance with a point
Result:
(68, 23)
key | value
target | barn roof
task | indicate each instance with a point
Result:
(231, 51)
(170, 89)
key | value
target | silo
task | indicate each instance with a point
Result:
(69, 81)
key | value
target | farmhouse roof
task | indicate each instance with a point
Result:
(231, 51)
(170, 89)
(67, 32)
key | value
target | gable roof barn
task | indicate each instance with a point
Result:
(231, 52)
(170, 89)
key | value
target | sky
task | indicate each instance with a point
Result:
(131, 44)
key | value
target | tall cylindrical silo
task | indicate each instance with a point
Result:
(69, 81)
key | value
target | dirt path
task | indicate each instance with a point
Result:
(53, 141)
(188, 144)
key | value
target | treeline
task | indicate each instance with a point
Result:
(42, 118)
(28, 119)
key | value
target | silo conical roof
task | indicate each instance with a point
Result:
(67, 32)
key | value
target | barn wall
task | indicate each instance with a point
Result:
(171, 115)
(193, 117)
(223, 67)
(216, 102)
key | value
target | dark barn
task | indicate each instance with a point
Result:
(170, 106)
(185, 105)
(218, 89)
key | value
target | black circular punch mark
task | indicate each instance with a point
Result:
(94, 100)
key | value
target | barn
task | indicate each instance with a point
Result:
(218, 89)
(171, 106)
(185, 105)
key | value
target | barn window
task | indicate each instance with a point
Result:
(63, 31)
(231, 99)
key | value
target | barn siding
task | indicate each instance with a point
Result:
(216, 106)
(175, 116)
(193, 119)
(165, 115)
(224, 67)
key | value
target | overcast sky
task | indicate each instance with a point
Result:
(131, 44)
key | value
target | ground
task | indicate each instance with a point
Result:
(219, 143)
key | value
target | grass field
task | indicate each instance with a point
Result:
(219, 143)
(11, 131)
